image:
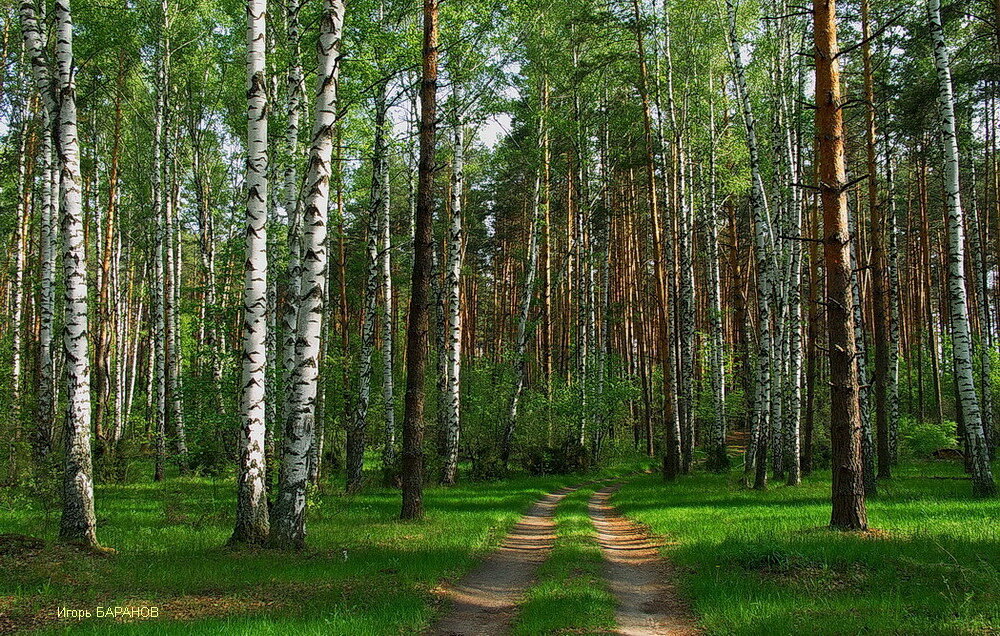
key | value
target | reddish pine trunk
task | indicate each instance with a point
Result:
(845, 422)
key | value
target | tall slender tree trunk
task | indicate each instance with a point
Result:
(861, 361)
(983, 484)
(423, 244)
(78, 523)
(892, 274)
(880, 294)
(671, 424)
(290, 200)
(160, 248)
(763, 242)
(453, 279)
(35, 48)
(527, 294)
(388, 324)
(357, 432)
(848, 496)
(290, 506)
(717, 459)
(252, 519)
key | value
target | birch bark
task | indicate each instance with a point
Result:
(983, 484)
(252, 519)
(290, 505)
(78, 523)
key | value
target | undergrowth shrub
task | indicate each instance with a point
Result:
(921, 438)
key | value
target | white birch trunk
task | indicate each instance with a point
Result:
(78, 523)
(21, 225)
(292, 209)
(35, 46)
(892, 262)
(252, 523)
(357, 433)
(527, 296)
(385, 270)
(763, 241)
(861, 361)
(718, 459)
(453, 279)
(290, 505)
(982, 478)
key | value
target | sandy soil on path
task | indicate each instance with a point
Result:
(484, 601)
(637, 574)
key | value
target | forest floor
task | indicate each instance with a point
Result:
(745, 562)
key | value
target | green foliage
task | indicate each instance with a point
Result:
(921, 438)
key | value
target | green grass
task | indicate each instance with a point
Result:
(365, 572)
(570, 595)
(764, 563)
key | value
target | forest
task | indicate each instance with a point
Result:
(499, 317)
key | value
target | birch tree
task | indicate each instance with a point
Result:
(357, 433)
(388, 324)
(35, 49)
(78, 523)
(453, 279)
(290, 505)
(252, 519)
(756, 456)
(983, 484)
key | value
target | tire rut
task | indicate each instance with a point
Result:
(485, 601)
(640, 579)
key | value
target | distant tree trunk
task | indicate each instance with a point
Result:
(984, 345)
(21, 224)
(892, 274)
(78, 523)
(252, 523)
(685, 297)
(109, 366)
(290, 201)
(527, 295)
(160, 247)
(357, 432)
(880, 294)
(388, 324)
(671, 424)
(290, 506)
(172, 268)
(423, 244)
(718, 459)
(763, 241)
(453, 279)
(848, 496)
(983, 484)
(35, 47)
(861, 361)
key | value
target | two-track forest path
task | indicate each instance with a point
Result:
(486, 600)
(640, 579)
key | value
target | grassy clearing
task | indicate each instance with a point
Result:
(365, 572)
(764, 563)
(570, 596)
